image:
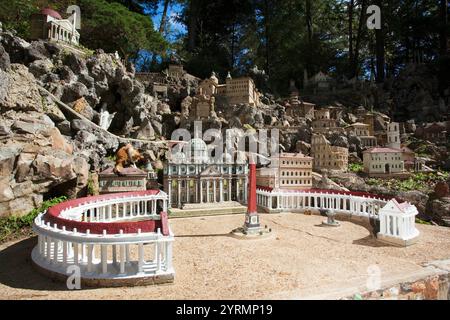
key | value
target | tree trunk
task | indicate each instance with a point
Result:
(309, 25)
(444, 23)
(380, 47)
(351, 6)
(162, 25)
(362, 20)
(192, 24)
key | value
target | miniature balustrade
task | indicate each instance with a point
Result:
(116, 209)
(349, 203)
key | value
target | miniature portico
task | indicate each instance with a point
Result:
(397, 223)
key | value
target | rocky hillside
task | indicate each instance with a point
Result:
(64, 111)
(47, 150)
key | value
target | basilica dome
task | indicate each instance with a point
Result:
(197, 151)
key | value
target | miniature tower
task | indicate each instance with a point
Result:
(252, 224)
(393, 135)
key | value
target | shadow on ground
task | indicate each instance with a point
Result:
(16, 269)
(370, 241)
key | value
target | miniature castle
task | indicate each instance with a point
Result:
(236, 90)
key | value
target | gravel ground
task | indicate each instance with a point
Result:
(300, 260)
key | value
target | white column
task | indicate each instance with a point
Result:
(114, 254)
(158, 256)
(49, 245)
(201, 191)
(214, 191)
(221, 190)
(179, 193)
(188, 189)
(207, 191)
(127, 253)
(64, 251)
(90, 257)
(55, 250)
(104, 259)
(168, 255)
(122, 259)
(141, 257)
(395, 226)
(75, 253)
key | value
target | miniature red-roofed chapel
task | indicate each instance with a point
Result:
(48, 24)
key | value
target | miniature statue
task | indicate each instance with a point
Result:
(331, 222)
(125, 156)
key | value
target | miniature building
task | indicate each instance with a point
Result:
(160, 90)
(193, 177)
(327, 156)
(393, 135)
(383, 161)
(411, 162)
(299, 108)
(319, 81)
(175, 71)
(323, 122)
(290, 171)
(435, 132)
(49, 25)
(202, 106)
(131, 179)
(397, 223)
(236, 91)
(362, 131)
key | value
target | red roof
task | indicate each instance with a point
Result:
(382, 150)
(52, 13)
(129, 171)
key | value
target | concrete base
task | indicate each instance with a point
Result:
(251, 234)
(86, 281)
(396, 241)
(331, 225)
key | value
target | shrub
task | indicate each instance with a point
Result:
(13, 224)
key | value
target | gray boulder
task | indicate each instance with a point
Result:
(5, 62)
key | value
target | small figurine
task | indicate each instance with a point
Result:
(127, 155)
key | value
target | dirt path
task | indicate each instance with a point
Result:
(301, 259)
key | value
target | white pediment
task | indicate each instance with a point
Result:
(210, 171)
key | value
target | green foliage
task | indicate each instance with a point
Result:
(355, 167)
(90, 186)
(112, 27)
(13, 224)
(423, 182)
(15, 15)
(419, 221)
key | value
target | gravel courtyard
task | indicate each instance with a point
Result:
(301, 260)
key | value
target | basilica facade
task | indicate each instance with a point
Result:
(191, 176)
